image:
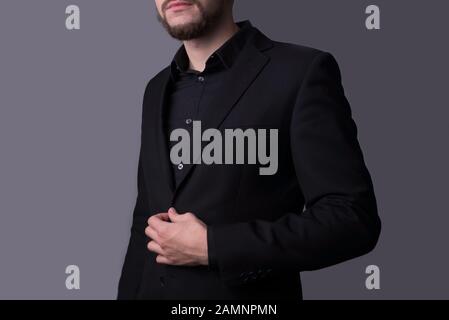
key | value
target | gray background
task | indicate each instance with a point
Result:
(70, 107)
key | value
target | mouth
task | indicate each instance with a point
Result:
(177, 5)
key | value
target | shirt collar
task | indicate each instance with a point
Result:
(225, 56)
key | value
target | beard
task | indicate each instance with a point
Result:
(207, 20)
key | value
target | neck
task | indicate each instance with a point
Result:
(200, 49)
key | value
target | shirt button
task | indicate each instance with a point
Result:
(201, 79)
(189, 121)
(180, 166)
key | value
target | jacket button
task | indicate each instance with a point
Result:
(162, 281)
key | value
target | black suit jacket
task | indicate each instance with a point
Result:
(258, 233)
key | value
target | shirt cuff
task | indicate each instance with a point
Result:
(211, 250)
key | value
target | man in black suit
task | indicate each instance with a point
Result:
(225, 231)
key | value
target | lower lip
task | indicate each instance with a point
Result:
(179, 7)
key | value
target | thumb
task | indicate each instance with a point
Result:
(173, 214)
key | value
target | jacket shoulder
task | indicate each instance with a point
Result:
(296, 60)
(158, 79)
(294, 53)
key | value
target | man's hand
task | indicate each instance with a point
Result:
(178, 239)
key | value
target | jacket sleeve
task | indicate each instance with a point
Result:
(340, 220)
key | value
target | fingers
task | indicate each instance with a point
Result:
(172, 210)
(151, 233)
(173, 214)
(160, 258)
(158, 224)
(163, 260)
(163, 216)
(155, 247)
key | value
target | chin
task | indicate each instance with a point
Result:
(179, 21)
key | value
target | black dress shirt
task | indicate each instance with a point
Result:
(192, 91)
